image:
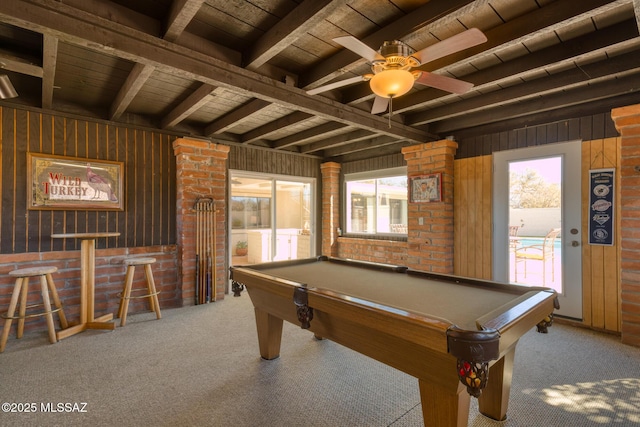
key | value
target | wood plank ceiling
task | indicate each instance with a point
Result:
(237, 71)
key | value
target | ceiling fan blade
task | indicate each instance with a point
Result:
(444, 83)
(464, 40)
(335, 85)
(356, 46)
(380, 105)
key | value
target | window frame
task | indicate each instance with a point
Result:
(346, 202)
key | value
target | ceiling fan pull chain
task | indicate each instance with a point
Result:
(390, 110)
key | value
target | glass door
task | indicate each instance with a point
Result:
(537, 221)
(293, 220)
(271, 218)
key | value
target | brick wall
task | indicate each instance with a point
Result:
(330, 207)
(627, 121)
(201, 171)
(382, 251)
(430, 236)
(109, 276)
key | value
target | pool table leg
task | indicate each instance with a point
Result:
(269, 334)
(442, 406)
(494, 400)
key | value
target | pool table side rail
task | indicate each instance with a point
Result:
(405, 343)
(407, 325)
(515, 289)
(411, 326)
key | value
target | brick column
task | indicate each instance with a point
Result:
(627, 121)
(330, 207)
(430, 233)
(201, 171)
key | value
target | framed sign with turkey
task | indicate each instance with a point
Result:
(72, 183)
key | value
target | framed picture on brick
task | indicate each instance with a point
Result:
(426, 188)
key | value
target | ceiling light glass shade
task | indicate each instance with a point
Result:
(6, 88)
(391, 83)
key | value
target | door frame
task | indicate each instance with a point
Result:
(571, 153)
(274, 178)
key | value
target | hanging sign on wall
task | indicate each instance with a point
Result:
(60, 182)
(601, 199)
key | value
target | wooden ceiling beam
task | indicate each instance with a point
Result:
(118, 14)
(235, 117)
(83, 29)
(544, 85)
(368, 144)
(12, 62)
(580, 95)
(298, 22)
(563, 53)
(301, 137)
(336, 141)
(553, 16)
(181, 13)
(49, 60)
(560, 114)
(274, 126)
(548, 18)
(135, 80)
(344, 60)
(192, 103)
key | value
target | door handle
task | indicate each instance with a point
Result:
(575, 243)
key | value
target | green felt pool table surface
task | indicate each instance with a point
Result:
(461, 303)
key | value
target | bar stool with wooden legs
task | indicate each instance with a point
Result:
(20, 291)
(151, 294)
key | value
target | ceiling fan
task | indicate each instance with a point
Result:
(393, 67)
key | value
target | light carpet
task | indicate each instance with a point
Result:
(199, 366)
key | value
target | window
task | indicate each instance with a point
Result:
(250, 212)
(376, 202)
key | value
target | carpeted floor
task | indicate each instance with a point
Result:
(199, 366)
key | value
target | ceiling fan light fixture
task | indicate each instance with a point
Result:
(392, 83)
(6, 88)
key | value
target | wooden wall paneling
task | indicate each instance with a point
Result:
(6, 187)
(45, 134)
(58, 217)
(457, 207)
(93, 152)
(130, 178)
(172, 190)
(472, 218)
(120, 135)
(574, 129)
(34, 218)
(149, 183)
(19, 180)
(586, 128)
(82, 151)
(487, 220)
(552, 133)
(587, 304)
(597, 251)
(598, 128)
(611, 258)
(156, 172)
(462, 209)
(140, 189)
(106, 138)
(155, 180)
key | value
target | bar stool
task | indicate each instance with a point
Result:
(21, 291)
(152, 294)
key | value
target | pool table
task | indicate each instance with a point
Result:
(456, 335)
